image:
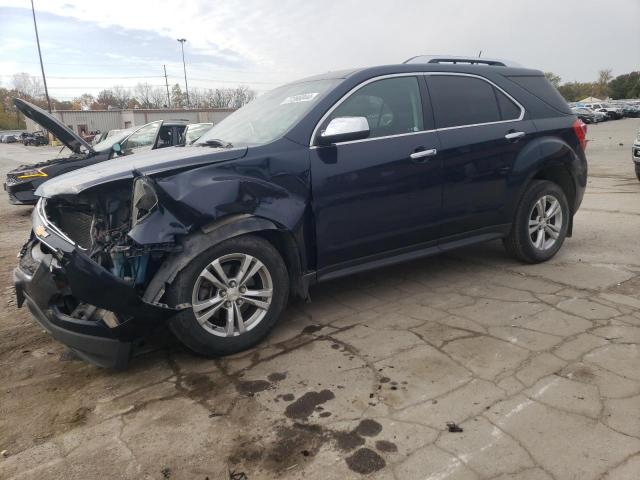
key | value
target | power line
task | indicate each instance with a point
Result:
(176, 77)
(92, 78)
(143, 65)
(70, 87)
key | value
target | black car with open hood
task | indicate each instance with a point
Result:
(22, 182)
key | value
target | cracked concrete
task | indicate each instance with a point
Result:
(539, 366)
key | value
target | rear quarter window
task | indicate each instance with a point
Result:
(540, 87)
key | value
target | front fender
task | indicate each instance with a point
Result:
(198, 199)
(196, 243)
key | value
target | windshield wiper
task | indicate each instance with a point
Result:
(214, 142)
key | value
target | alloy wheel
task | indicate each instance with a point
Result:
(232, 295)
(545, 222)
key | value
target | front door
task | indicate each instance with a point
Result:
(382, 193)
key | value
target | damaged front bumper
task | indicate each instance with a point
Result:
(99, 316)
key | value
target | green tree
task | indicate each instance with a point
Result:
(105, 99)
(625, 86)
(10, 118)
(553, 78)
(178, 99)
(602, 84)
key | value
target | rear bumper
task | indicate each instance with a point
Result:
(60, 284)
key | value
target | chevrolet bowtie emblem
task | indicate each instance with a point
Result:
(41, 231)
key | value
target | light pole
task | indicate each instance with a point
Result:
(184, 66)
(44, 79)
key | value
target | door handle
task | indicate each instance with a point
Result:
(423, 154)
(512, 136)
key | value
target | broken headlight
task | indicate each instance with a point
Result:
(144, 201)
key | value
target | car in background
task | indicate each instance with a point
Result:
(628, 109)
(612, 112)
(635, 154)
(36, 139)
(98, 137)
(9, 138)
(22, 182)
(586, 115)
(194, 131)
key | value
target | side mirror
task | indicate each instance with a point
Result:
(116, 147)
(344, 129)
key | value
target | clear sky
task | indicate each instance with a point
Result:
(89, 45)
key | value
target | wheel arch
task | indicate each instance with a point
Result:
(224, 229)
(551, 159)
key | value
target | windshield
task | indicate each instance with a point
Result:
(269, 116)
(108, 142)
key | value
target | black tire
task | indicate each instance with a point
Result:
(638, 173)
(184, 324)
(519, 242)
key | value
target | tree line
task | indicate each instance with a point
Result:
(622, 86)
(142, 95)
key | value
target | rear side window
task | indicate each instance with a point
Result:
(392, 106)
(540, 87)
(508, 109)
(459, 101)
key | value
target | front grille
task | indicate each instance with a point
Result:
(77, 225)
(11, 180)
(74, 223)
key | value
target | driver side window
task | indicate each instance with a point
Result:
(391, 106)
(142, 139)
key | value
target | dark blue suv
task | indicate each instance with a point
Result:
(321, 178)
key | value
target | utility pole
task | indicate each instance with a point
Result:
(44, 79)
(166, 82)
(184, 66)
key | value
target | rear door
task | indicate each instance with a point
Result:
(482, 132)
(382, 193)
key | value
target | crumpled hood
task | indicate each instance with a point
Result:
(148, 163)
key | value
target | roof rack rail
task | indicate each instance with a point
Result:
(464, 60)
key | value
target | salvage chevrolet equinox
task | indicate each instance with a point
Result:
(321, 178)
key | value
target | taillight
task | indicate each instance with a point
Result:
(580, 128)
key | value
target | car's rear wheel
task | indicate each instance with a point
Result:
(541, 223)
(237, 290)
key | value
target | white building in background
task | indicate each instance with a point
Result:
(104, 120)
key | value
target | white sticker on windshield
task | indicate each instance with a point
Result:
(303, 97)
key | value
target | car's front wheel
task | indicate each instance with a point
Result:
(237, 290)
(541, 223)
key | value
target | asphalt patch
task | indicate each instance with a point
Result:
(365, 461)
(312, 329)
(251, 387)
(386, 446)
(276, 377)
(304, 406)
(347, 441)
(368, 428)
